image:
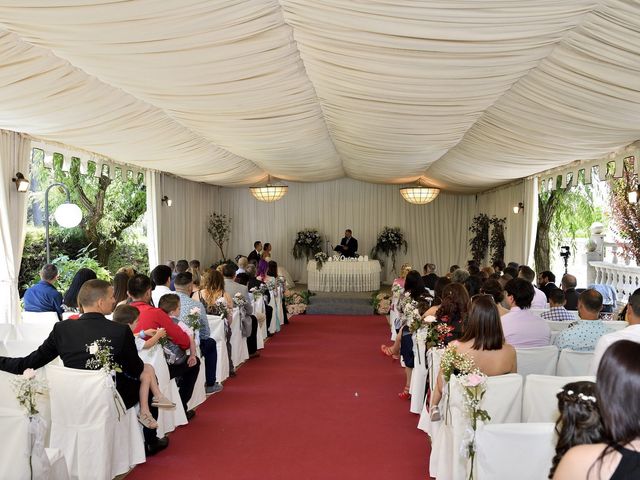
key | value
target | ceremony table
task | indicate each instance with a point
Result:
(344, 276)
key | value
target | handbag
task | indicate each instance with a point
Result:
(174, 354)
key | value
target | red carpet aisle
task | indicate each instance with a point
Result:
(294, 414)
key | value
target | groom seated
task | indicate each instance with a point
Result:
(70, 339)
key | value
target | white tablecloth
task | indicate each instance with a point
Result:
(344, 276)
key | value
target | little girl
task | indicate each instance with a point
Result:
(128, 315)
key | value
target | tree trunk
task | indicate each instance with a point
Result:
(546, 210)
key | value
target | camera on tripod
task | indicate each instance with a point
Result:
(565, 253)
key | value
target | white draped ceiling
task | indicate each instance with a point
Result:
(466, 94)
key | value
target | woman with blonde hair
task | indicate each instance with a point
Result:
(404, 270)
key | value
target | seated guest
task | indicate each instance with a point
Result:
(492, 287)
(184, 290)
(129, 271)
(231, 287)
(498, 266)
(459, 276)
(254, 282)
(617, 393)
(632, 332)
(539, 298)
(242, 265)
(585, 333)
(511, 271)
(154, 318)
(484, 341)
(256, 253)
(521, 327)
(453, 309)
(547, 282)
(488, 270)
(181, 267)
(120, 283)
(557, 312)
(252, 339)
(473, 284)
(437, 294)
(161, 276)
(348, 245)
(473, 269)
(430, 278)
(43, 296)
(404, 270)
(452, 269)
(69, 340)
(579, 422)
(569, 284)
(128, 315)
(194, 270)
(70, 299)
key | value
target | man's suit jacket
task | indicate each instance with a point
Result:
(69, 339)
(571, 297)
(547, 288)
(352, 245)
(430, 280)
(254, 256)
(232, 288)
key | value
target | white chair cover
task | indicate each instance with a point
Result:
(572, 363)
(7, 332)
(615, 325)
(168, 419)
(540, 403)
(394, 317)
(20, 348)
(540, 360)
(434, 355)
(502, 400)
(239, 349)
(216, 325)
(33, 332)
(418, 384)
(96, 443)
(276, 317)
(24, 437)
(504, 449)
(260, 312)
(199, 394)
(557, 326)
(49, 318)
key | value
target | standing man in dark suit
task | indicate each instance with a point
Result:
(256, 253)
(430, 277)
(547, 282)
(348, 245)
(69, 340)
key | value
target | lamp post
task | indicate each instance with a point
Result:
(67, 214)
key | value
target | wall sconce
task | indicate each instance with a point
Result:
(518, 208)
(167, 200)
(22, 184)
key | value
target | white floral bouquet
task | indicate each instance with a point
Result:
(239, 301)
(281, 282)
(102, 352)
(308, 242)
(220, 308)
(271, 284)
(193, 319)
(455, 363)
(259, 292)
(27, 387)
(396, 290)
(320, 258)
(474, 385)
(296, 302)
(389, 242)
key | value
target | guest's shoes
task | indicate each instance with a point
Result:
(232, 373)
(148, 421)
(270, 335)
(211, 389)
(254, 355)
(162, 402)
(156, 447)
(190, 414)
(404, 395)
(435, 414)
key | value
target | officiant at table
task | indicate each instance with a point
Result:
(348, 245)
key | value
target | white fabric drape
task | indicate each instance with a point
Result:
(180, 231)
(436, 232)
(475, 94)
(345, 276)
(14, 157)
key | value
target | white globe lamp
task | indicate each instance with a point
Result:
(68, 215)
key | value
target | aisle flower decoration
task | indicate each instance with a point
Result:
(220, 308)
(239, 301)
(296, 303)
(271, 284)
(308, 242)
(193, 319)
(27, 387)
(281, 282)
(320, 258)
(259, 292)
(389, 242)
(381, 303)
(102, 353)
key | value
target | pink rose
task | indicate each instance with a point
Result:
(29, 373)
(474, 379)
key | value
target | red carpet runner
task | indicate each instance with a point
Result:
(320, 403)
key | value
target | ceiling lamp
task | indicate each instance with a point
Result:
(269, 192)
(419, 194)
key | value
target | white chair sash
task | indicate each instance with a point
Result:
(418, 384)
(434, 355)
(260, 313)
(239, 349)
(216, 325)
(199, 394)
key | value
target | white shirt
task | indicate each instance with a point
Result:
(632, 332)
(539, 298)
(158, 292)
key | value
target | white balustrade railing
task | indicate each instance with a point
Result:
(625, 279)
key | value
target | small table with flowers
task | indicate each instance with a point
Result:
(348, 275)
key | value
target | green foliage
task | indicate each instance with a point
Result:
(308, 242)
(67, 268)
(479, 243)
(625, 215)
(574, 214)
(497, 242)
(219, 230)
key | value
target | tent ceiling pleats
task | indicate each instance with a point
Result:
(465, 94)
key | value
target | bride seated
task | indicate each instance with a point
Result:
(483, 341)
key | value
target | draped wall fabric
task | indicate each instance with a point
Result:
(436, 232)
(468, 94)
(154, 226)
(15, 152)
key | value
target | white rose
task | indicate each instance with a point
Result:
(93, 348)
(29, 373)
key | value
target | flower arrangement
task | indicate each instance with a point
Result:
(220, 308)
(381, 303)
(320, 258)
(193, 319)
(271, 284)
(239, 300)
(308, 242)
(259, 292)
(296, 301)
(102, 352)
(396, 290)
(389, 242)
(281, 282)
(455, 363)
(27, 387)
(474, 387)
